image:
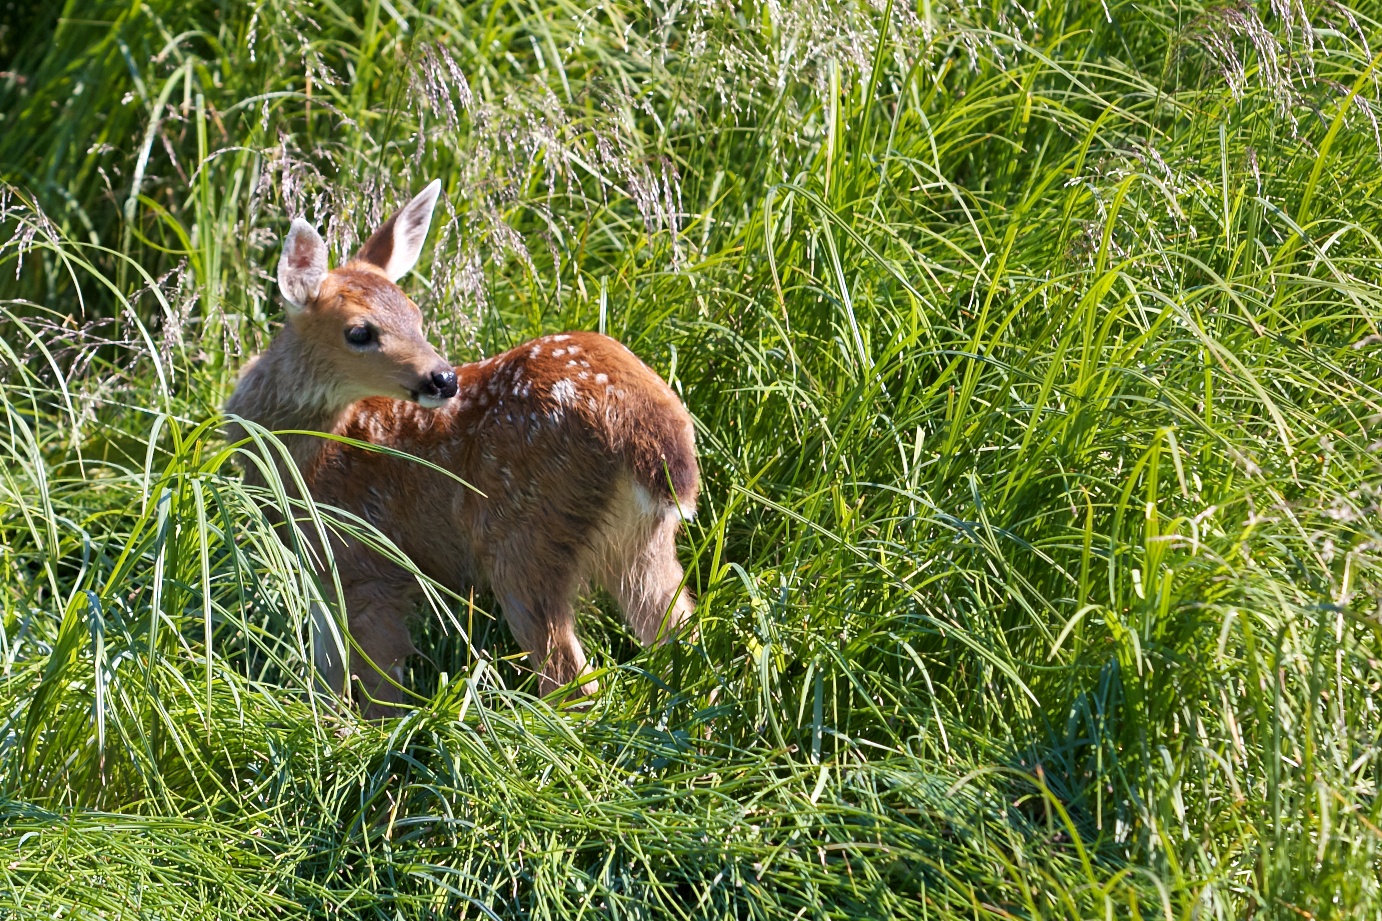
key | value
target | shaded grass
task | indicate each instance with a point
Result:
(1035, 365)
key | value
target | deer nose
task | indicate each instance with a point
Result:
(443, 384)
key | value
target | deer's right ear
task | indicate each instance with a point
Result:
(396, 245)
(302, 267)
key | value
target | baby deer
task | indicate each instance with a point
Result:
(583, 459)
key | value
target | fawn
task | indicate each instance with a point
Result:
(583, 458)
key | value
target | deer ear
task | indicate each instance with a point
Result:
(396, 245)
(302, 267)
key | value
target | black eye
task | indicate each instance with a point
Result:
(360, 335)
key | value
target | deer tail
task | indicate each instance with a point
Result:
(660, 447)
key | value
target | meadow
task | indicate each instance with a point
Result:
(1035, 359)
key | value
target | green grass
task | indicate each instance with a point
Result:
(1036, 364)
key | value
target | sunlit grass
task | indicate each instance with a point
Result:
(1035, 362)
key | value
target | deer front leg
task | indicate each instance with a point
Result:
(329, 645)
(378, 600)
(380, 630)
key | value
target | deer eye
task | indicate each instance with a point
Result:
(361, 336)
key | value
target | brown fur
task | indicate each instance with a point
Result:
(585, 459)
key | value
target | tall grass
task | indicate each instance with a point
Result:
(1034, 355)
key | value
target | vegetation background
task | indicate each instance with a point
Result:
(1034, 352)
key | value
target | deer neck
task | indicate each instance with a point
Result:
(283, 391)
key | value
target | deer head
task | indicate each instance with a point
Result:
(361, 334)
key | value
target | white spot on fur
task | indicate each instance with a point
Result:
(573, 349)
(583, 375)
(571, 363)
(602, 378)
(562, 338)
(558, 353)
(535, 351)
(584, 363)
(564, 392)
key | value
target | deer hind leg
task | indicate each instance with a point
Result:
(642, 572)
(544, 624)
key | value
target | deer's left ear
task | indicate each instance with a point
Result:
(302, 267)
(397, 244)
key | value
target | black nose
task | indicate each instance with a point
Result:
(443, 384)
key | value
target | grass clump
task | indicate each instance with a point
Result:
(1034, 354)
